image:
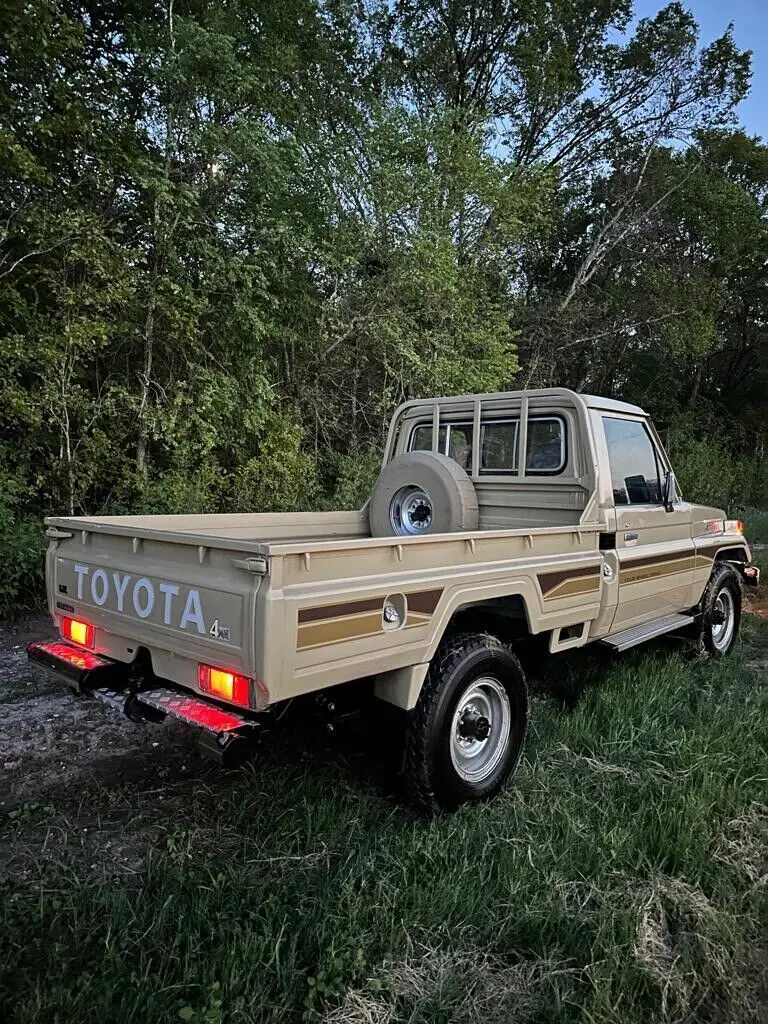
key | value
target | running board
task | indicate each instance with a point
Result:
(647, 631)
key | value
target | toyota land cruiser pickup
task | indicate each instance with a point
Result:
(495, 517)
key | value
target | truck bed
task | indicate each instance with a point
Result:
(295, 600)
(247, 526)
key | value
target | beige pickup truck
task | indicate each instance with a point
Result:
(495, 517)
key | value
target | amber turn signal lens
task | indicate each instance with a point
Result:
(225, 685)
(78, 632)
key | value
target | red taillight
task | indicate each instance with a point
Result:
(225, 685)
(81, 633)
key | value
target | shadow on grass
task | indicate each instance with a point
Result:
(566, 678)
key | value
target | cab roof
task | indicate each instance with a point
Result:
(553, 394)
(612, 405)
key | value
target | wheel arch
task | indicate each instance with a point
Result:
(508, 610)
(737, 553)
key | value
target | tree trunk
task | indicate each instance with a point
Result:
(149, 344)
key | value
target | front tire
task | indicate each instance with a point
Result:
(720, 612)
(465, 736)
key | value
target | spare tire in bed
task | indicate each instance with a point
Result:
(421, 493)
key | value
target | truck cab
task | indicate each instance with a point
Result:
(589, 460)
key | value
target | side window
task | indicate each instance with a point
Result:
(634, 469)
(460, 445)
(546, 446)
(499, 442)
(421, 439)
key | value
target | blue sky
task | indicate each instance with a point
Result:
(750, 28)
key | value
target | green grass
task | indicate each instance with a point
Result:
(622, 878)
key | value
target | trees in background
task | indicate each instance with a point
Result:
(234, 236)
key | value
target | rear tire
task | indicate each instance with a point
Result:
(465, 736)
(718, 627)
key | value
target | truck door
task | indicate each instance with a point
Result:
(654, 547)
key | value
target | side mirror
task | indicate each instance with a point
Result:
(669, 491)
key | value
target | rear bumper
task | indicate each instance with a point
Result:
(108, 680)
(81, 669)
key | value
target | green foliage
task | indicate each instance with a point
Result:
(755, 525)
(234, 236)
(22, 544)
(707, 469)
(355, 473)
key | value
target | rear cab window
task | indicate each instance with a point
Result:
(499, 443)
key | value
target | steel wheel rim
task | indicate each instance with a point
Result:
(724, 611)
(475, 760)
(411, 512)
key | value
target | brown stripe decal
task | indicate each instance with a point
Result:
(335, 611)
(641, 563)
(353, 620)
(642, 569)
(331, 631)
(569, 582)
(711, 550)
(426, 601)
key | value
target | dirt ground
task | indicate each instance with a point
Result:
(50, 740)
(56, 749)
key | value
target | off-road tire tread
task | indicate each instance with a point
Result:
(416, 768)
(720, 571)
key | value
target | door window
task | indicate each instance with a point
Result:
(634, 467)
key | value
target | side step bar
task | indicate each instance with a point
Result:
(647, 631)
(82, 669)
(189, 709)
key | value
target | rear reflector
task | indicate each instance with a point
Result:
(225, 685)
(81, 633)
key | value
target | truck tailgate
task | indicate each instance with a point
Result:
(185, 602)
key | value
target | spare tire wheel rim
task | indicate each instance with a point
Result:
(410, 511)
(480, 729)
(723, 619)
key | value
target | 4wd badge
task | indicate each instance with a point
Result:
(219, 632)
